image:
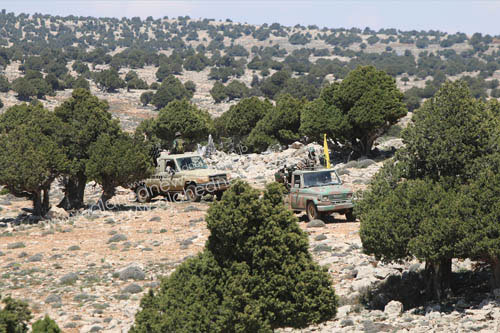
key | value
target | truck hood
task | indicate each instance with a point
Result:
(326, 190)
(202, 173)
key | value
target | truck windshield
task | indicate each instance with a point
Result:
(191, 163)
(321, 178)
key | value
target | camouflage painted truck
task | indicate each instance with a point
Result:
(319, 193)
(182, 174)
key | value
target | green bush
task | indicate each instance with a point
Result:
(218, 92)
(45, 325)
(4, 84)
(241, 118)
(437, 200)
(170, 89)
(109, 80)
(254, 275)
(356, 111)
(14, 316)
(146, 97)
(280, 125)
(117, 160)
(181, 116)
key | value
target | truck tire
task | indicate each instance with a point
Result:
(312, 211)
(142, 194)
(191, 194)
(349, 216)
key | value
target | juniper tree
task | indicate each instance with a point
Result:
(480, 213)
(14, 316)
(171, 89)
(241, 118)
(117, 160)
(401, 220)
(429, 203)
(280, 125)
(87, 117)
(254, 275)
(31, 153)
(181, 116)
(356, 111)
(447, 134)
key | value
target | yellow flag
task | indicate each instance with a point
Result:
(327, 155)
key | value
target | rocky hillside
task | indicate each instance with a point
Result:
(206, 52)
(89, 271)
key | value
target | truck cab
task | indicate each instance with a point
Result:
(186, 174)
(319, 193)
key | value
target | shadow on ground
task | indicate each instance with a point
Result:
(468, 290)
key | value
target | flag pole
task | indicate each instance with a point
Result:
(327, 155)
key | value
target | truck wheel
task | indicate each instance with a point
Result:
(349, 216)
(142, 194)
(191, 194)
(312, 211)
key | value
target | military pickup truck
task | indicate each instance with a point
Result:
(319, 193)
(182, 174)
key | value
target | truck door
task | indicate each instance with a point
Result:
(171, 176)
(294, 192)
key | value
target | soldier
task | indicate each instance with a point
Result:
(312, 157)
(178, 144)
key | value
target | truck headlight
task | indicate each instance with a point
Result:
(349, 195)
(324, 198)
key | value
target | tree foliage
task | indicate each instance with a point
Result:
(108, 80)
(45, 325)
(438, 199)
(254, 275)
(280, 125)
(31, 153)
(447, 133)
(14, 316)
(181, 116)
(356, 111)
(117, 161)
(146, 97)
(24, 89)
(171, 89)
(87, 118)
(241, 118)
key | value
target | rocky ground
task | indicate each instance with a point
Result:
(89, 271)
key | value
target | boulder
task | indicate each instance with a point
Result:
(36, 258)
(343, 311)
(133, 272)
(57, 213)
(320, 237)
(132, 289)
(296, 145)
(393, 308)
(315, 224)
(117, 238)
(361, 284)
